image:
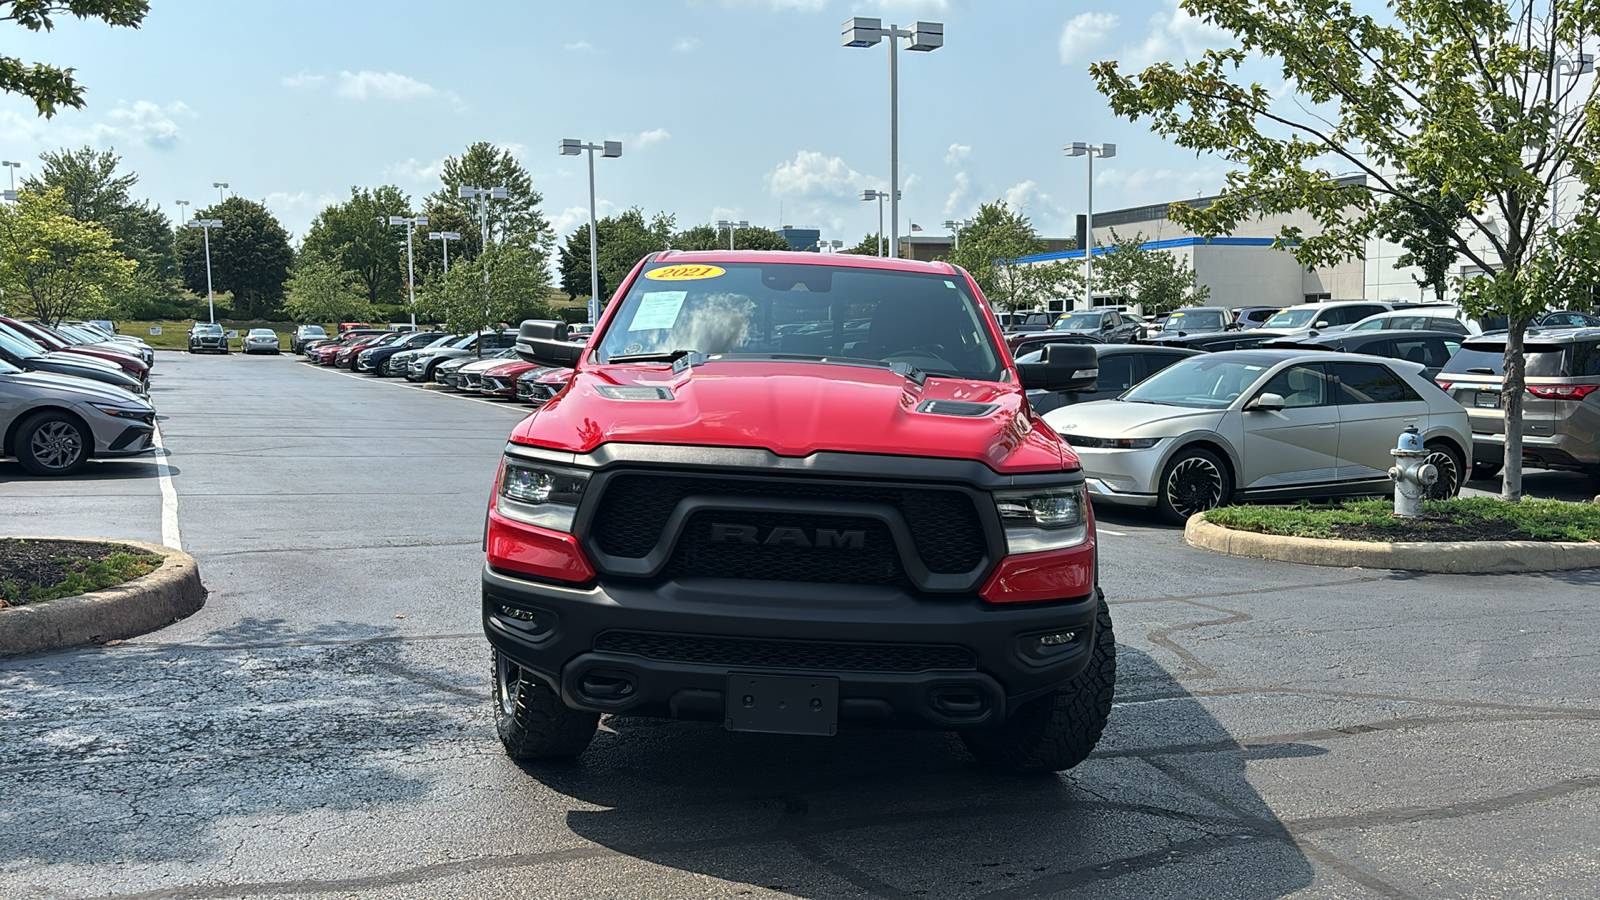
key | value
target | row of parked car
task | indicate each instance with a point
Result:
(1173, 445)
(70, 392)
(481, 363)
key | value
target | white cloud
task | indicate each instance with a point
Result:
(1083, 33)
(1027, 199)
(366, 85)
(413, 171)
(1173, 33)
(567, 220)
(960, 199)
(149, 123)
(649, 138)
(810, 174)
(957, 153)
(686, 45)
(1140, 186)
(303, 80)
(579, 47)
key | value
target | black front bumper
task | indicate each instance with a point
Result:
(667, 649)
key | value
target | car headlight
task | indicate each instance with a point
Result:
(118, 412)
(1047, 518)
(541, 495)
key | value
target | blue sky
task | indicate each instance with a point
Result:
(726, 108)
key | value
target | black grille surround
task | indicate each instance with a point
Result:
(778, 654)
(654, 524)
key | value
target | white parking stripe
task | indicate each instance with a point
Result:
(1109, 531)
(169, 497)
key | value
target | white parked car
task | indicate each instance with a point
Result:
(1330, 315)
(260, 340)
(1262, 425)
(1421, 318)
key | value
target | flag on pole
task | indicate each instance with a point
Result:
(915, 227)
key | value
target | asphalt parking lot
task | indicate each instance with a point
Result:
(322, 726)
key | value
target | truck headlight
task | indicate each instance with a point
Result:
(1046, 518)
(541, 495)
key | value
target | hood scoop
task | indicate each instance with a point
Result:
(964, 409)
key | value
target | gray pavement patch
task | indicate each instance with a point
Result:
(1443, 557)
(134, 607)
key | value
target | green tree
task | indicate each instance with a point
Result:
(516, 217)
(624, 239)
(1159, 281)
(47, 86)
(517, 288)
(430, 252)
(321, 290)
(990, 249)
(357, 235)
(1424, 231)
(869, 246)
(250, 257)
(1469, 96)
(53, 266)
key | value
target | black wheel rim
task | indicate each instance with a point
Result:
(56, 445)
(508, 681)
(1449, 475)
(1194, 486)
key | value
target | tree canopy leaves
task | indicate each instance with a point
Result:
(53, 266)
(990, 249)
(250, 256)
(50, 87)
(1155, 279)
(321, 290)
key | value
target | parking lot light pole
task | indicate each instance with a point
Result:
(724, 223)
(955, 226)
(181, 211)
(411, 225)
(445, 237)
(609, 150)
(922, 37)
(222, 187)
(483, 195)
(205, 225)
(879, 196)
(1089, 151)
(13, 166)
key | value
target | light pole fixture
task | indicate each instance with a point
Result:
(13, 166)
(206, 225)
(731, 226)
(411, 225)
(445, 237)
(924, 37)
(1090, 151)
(955, 226)
(181, 211)
(483, 195)
(222, 187)
(608, 150)
(1576, 65)
(879, 196)
(832, 246)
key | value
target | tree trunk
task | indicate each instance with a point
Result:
(1511, 394)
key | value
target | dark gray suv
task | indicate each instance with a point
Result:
(1560, 411)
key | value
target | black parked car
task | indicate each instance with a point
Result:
(1430, 348)
(1121, 367)
(27, 356)
(1209, 341)
(1106, 324)
(208, 337)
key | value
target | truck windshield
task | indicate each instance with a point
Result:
(1080, 321)
(798, 311)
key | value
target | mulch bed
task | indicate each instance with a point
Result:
(1434, 529)
(34, 563)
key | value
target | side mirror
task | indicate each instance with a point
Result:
(1321, 323)
(1265, 402)
(1062, 367)
(544, 341)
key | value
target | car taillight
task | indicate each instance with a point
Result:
(1445, 385)
(1563, 391)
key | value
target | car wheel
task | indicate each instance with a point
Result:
(1060, 729)
(1451, 468)
(1485, 469)
(530, 718)
(53, 443)
(1194, 481)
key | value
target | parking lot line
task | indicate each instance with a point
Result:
(170, 537)
(428, 389)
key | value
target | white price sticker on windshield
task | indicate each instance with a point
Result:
(657, 309)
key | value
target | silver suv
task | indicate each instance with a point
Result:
(1560, 412)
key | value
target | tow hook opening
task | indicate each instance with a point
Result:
(959, 702)
(605, 686)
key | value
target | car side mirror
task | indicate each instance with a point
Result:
(1062, 367)
(1268, 402)
(544, 341)
(1321, 323)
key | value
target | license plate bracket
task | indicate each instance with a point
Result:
(1487, 400)
(782, 704)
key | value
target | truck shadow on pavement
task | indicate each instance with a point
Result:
(1162, 809)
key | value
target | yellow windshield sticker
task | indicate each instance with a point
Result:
(684, 273)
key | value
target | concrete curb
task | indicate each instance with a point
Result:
(1453, 557)
(144, 604)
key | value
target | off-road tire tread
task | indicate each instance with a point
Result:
(1059, 730)
(543, 727)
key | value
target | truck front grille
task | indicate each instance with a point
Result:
(634, 510)
(770, 654)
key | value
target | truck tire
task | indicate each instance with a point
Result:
(532, 721)
(1059, 730)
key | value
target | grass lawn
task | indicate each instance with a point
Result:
(175, 335)
(1459, 519)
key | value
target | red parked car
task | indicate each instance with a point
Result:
(501, 381)
(48, 341)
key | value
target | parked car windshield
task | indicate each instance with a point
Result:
(1077, 320)
(207, 329)
(312, 331)
(1488, 358)
(1202, 382)
(7, 368)
(1292, 318)
(797, 311)
(1196, 320)
(19, 348)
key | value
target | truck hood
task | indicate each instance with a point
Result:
(1120, 418)
(796, 409)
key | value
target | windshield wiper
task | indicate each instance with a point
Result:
(665, 356)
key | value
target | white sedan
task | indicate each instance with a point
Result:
(1262, 425)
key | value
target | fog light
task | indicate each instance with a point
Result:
(521, 615)
(1057, 639)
